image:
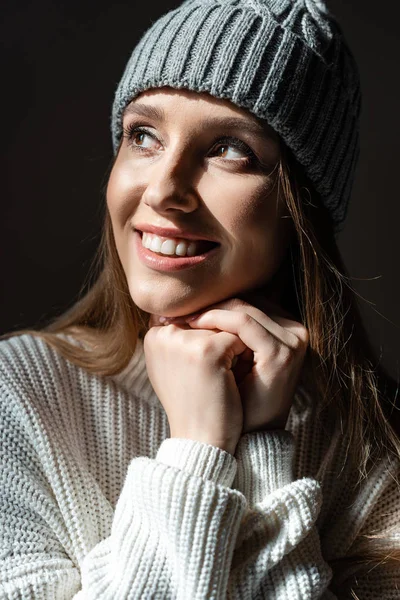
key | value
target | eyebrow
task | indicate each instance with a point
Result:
(158, 114)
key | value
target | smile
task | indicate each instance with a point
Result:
(204, 252)
(175, 246)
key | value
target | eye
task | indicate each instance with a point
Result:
(232, 148)
(139, 137)
(225, 150)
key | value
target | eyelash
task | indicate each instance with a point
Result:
(250, 160)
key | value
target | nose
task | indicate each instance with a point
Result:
(170, 186)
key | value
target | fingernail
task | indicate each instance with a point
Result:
(194, 317)
(168, 320)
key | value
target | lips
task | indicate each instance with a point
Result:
(165, 263)
(202, 246)
(173, 233)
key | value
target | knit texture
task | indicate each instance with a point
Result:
(98, 502)
(287, 62)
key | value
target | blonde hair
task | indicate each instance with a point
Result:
(340, 367)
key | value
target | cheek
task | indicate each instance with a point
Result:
(123, 192)
(250, 214)
(253, 219)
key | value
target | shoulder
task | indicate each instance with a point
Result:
(22, 356)
(32, 370)
(25, 357)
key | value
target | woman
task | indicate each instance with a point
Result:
(209, 420)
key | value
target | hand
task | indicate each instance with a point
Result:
(268, 370)
(191, 373)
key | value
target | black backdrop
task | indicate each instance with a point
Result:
(62, 63)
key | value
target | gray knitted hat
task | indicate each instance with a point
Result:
(284, 60)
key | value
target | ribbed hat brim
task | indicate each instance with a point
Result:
(311, 100)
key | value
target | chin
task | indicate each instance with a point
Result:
(177, 307)
(176, 301)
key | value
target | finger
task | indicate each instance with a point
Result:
(249, 330)
(221, 346)
(267, 313)
(295, 328)
(252, 300)
(176, 320)
(230, 346)
(273, 312)
(284, 330)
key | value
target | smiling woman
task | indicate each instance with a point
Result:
(209, 421)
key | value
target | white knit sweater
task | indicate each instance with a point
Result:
(97, 502)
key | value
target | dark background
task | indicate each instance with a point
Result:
(63, 62)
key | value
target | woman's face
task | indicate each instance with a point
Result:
(202, 166)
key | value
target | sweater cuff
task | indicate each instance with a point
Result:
(264, 463)
(199, 459)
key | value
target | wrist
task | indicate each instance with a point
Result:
(199, 459)
(226, 445)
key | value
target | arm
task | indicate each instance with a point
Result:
(174, 528)
(369, 566)
(277, 553)
(172, 535)
(280, 556)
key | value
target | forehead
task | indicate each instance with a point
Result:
(163, 103)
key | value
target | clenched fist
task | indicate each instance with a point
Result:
(191, 373)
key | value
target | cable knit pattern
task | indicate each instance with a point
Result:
(98, 502)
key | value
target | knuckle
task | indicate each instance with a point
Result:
(244, 319)
(299, 340)
(204, 348)
(149, 336)
(286, 355)
(170, 329)
(207, 350)
(289, 353)
(295, 343)
(237, 303)
(304, 335)
(160, 335)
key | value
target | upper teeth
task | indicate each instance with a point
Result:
(168, 246)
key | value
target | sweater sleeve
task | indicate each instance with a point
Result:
(172, 535)
(174, 529)
(369, 566)
(278, 550)
(277, 554)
